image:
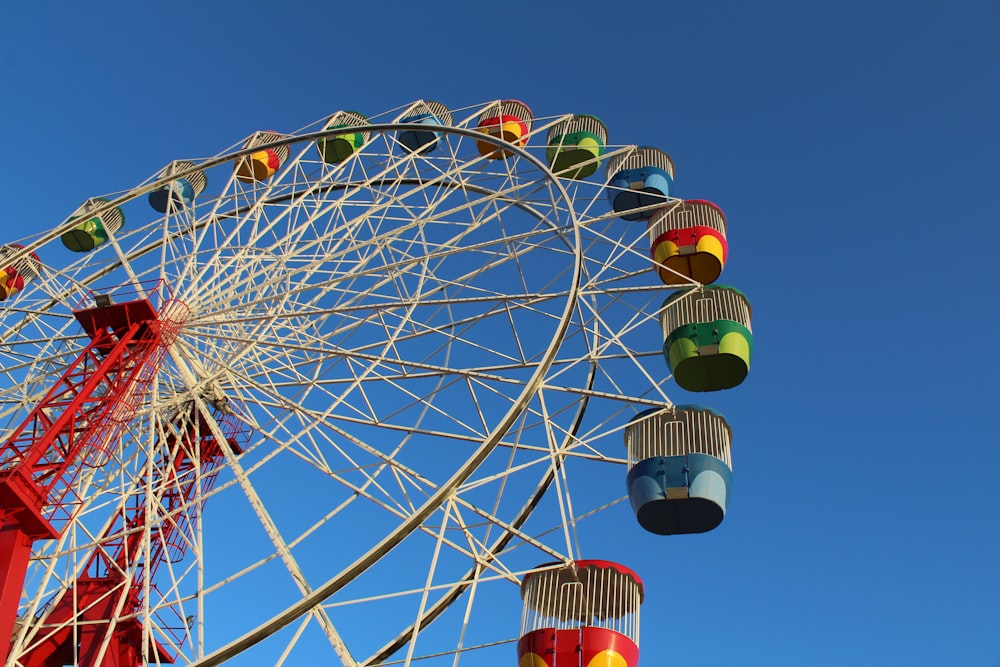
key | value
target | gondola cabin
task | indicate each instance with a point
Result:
(261, 165)
(679, 469)
(639, 179)
(688, 242)
(575, 146)
(584, 614)
(94, 222)
(708, 343)
(431, 114)
(338, 147)
(178, 193)
(16, 273)
(508, 120)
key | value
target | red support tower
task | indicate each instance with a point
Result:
(112, 584)
(73, 426)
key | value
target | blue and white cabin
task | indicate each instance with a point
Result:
(679, 468)
(639, 179)
(425, 112)
(179, 193)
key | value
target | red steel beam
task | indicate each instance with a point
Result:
(81, 618)
(73, 426)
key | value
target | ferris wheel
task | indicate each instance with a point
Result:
(336, 393)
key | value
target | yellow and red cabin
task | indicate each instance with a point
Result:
(262, 164)
(580, 614)
(508, 120)
(16, 273)
(688, 242)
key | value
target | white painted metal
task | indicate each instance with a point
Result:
(423, 345)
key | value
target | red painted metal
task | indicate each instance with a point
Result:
(112, 584)
(577, 647)
(79, 636)
(73, 426)
(595, 565)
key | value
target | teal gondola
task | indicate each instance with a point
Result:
(575, 146)
(338, 147)
(708, 343)
(95, 223)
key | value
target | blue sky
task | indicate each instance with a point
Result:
(853, 147)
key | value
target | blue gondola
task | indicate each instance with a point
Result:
(680, 469)
(178, 193)
(641, 178)
(429, 113)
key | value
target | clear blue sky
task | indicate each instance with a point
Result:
(853, 146)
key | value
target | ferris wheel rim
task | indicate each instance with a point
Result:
(289, 140)
(338, 581)
(528, 390)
